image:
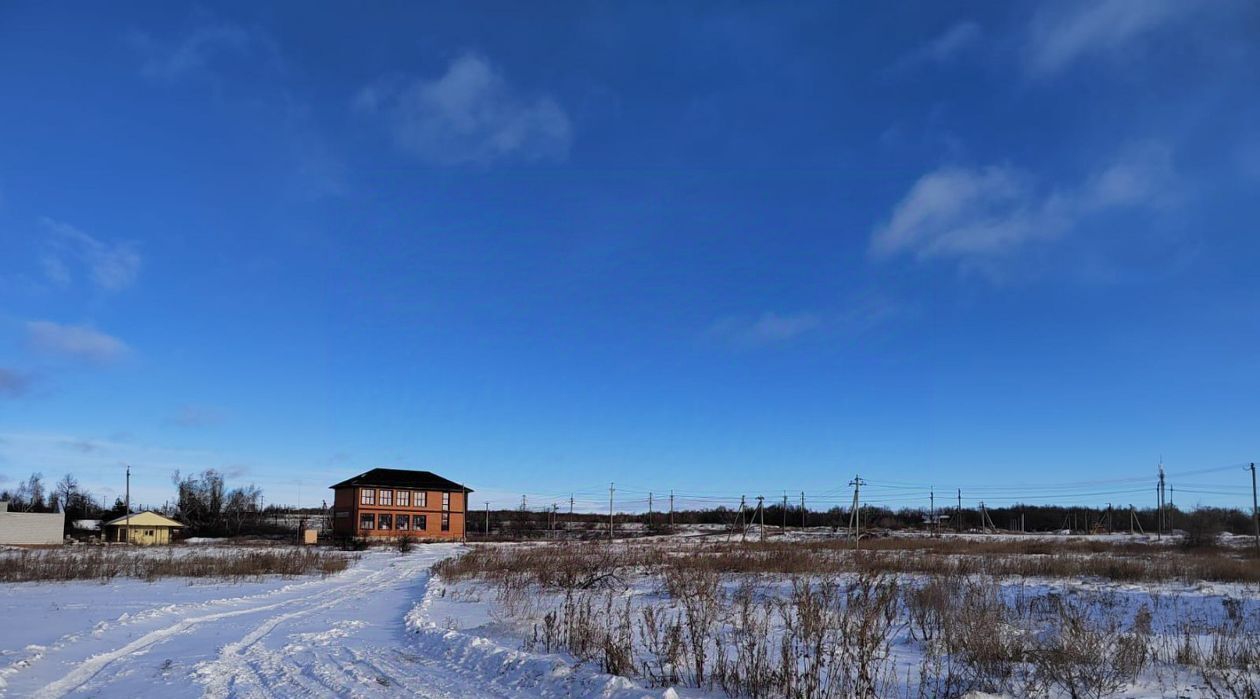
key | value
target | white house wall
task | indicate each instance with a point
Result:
(32, 528)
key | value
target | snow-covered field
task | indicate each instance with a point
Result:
(388, 627)
(363, 632)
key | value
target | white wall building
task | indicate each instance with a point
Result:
(31, 528)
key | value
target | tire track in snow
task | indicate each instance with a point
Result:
(233, 661)
(70, 640)
(336, 591)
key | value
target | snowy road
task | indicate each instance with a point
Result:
(342, 635)
(364, 632)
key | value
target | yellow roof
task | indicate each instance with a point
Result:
(144, 519)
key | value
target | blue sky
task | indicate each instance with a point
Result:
(721, 249)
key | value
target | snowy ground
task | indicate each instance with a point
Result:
(363, 632)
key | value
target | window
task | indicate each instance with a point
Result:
(421, 522)
(367, 521)
(446, 521)
(387, 497)
(384, 522)
(446, 502)
(403, 521)
(404, 498)
(422, 499)
(367, 496)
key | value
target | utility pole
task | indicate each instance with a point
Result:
(1255, 511)
(959, 511)
(570, 504)
(802, 509)
(127, 521)
(761, 510)
(671, 511)
(1162, 523)
(487, 519)
(611, 489)
(554, 509)
(649, 521)
(743, 528)
(932, 511)
(855, 515)
(783, 528)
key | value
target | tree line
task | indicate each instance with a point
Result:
(204, 503)
(1030, 518)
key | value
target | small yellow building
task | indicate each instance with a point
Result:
(141, 528)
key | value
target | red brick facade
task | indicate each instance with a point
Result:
(367, 511)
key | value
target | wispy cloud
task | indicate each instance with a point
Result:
(766, 329)
(82, 445)
(76, 342)
(169, 61)
(942, 48)
(13, 383)
(968, 214)
(190, 415)
(111, 266)
(1063, 33)
(470, 114)
(858, 314)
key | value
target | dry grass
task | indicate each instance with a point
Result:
(106, 563)
(820, 620)
(566, 565)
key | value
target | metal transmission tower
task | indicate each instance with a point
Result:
(855, 514)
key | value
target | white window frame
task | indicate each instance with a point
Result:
(367, 496)
(385, 498)
(402, 498)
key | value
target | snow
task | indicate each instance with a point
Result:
(363, 632)
(383, 627)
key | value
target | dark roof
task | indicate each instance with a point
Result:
(400, 478)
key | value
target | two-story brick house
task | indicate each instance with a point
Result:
(393, 503)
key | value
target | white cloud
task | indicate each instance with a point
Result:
(189, 415)
(963, 213)
(768, 328)
(468, 115)
(13, 383)
(1064, 33)
(946, 46)
(168, 62)
(111, 266)
(77, 342)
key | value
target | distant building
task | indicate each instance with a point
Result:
(144, 528)
(31, 528)
(392, 503)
